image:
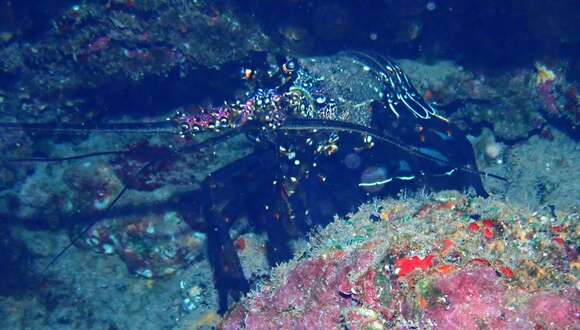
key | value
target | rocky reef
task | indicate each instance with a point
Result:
(446, 261)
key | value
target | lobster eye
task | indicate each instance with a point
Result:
(184, 128)
(290, 66)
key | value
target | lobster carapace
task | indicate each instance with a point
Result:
(351, 102)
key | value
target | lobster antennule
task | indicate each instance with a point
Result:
(159, 127)
(191, 148)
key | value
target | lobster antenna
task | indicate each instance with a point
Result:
(93, 221)
(191, 148)
(61, 159)
(159, 127)
(54, 259)
(333, 125)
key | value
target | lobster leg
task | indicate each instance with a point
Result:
(241, 184)
(273, 220)
(228, 270)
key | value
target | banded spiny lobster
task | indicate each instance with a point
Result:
(328, 134)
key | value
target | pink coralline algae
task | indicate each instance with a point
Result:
(467, 299)
(364, 274)
(310, 298)
(477, 297)
(549, 310)
(471, 297)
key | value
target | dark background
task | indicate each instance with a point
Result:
(490, 33)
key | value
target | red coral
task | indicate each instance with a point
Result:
(240, 244)
(558, 241)
(405, 266)
(506, 272)
(479, 262)
(473, 227)
(487, 233)
(488, 223)
(447, 246)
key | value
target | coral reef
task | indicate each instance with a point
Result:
(444, 261)
(539, 169)
(506, 103)
(558, 97)
(514, 104)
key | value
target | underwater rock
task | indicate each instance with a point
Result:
(545, 168)
(447, 261)
(108, 46)
(558, 97)
(506, 102)
(153, 245)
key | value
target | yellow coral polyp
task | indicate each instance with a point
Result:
(544, 74)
